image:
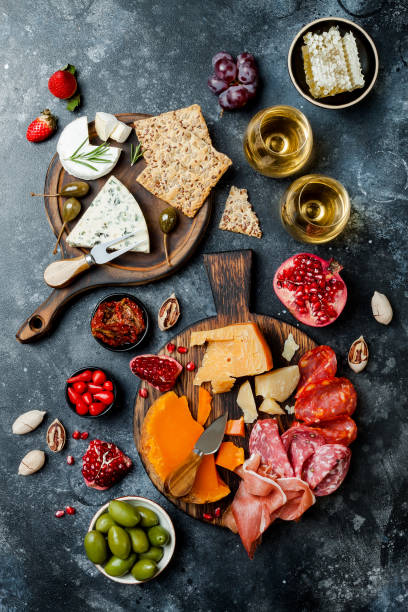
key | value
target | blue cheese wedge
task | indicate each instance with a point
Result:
(113, 213)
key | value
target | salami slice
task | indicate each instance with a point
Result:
(327, 468)
(300, 443)
(318, 364)
(266, 442)
(326, 400)
(339, 431)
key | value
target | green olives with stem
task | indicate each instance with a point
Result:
(75, 189)
(70, 210)
(168, 220)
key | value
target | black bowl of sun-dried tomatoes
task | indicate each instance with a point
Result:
(120, 322)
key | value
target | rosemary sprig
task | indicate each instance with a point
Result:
(95, 156)
(135, 154)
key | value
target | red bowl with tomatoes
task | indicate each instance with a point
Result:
(91, 392)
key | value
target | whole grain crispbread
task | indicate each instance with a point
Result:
(239, 216)
(182, 166)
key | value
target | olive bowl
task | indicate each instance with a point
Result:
(109, 407)
(165, 521)
(367, 54)
(116, 297)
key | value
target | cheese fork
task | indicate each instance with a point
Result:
(62, 273)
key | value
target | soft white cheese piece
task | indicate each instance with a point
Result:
(290, 348)
(113, 213)
(72, 137)
(121, 132)
(105, 123)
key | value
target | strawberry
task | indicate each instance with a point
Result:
(63, 84)
(42, 127)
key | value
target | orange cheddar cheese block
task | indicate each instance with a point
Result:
(230, 456)
(235, 427)
(204, 405)
(233, 351)
(169, 434)
(208, 485)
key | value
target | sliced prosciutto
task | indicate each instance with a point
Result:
(261, 499)
(266, 442)
(327, 468)
(300, 443)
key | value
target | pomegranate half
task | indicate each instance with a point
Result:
(311, 288)
(160, 371)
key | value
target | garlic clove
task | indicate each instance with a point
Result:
(169, 313)
(27, 422)
(31, 463)
(381, 307)
(358, 355)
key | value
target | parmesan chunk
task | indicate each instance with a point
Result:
(289, 348)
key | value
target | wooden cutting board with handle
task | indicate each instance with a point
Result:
(129, 269)
(229, 274)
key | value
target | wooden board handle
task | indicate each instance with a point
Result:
(180, 481)
(61, 273)
(40, 322)
(229, 274)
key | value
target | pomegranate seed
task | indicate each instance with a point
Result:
(171, 347)
(143, 392)
(69, 510)
(190, 366)
(76, 435)
(70, 460)
(217, 512)
(59, 513)
(84, 435)
(182, 349)
(300, 302)
(207, 516)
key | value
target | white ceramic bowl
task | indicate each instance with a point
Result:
(165, 521)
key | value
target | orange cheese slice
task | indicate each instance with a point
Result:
(169, 434)
(208, 485)
(230, 456)
(232, 351)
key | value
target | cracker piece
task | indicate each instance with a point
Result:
(239, 216)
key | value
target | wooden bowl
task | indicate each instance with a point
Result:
(165, 521)
(368, 60)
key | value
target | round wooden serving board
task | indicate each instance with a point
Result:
(229, 274)
(131, 268)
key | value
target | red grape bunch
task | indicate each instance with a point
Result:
(234, 82)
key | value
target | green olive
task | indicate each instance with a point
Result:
(168, 220)
(71, 209)
(104, 523)
(138, 537)
(77, 189)
(158, 536)
(144, 569)
(119, 542)
(147, 516)
(123, 513)
(118, 567)
(155, 553)
(95, 547)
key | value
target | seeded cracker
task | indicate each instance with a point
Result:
(239, 216)
(183, 166)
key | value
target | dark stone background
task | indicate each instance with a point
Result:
(349, 551)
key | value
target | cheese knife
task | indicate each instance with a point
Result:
(61, 273)
(180, 481)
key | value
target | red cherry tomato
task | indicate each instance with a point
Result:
(96, 408)
(108, 385)
(85, 376)
(87, 398)
(106, 397)
(95, 388)
(73, 397)
(81, 407)
(98, 377)
(80, 387)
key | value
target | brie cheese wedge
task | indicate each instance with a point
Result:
(72, 137)
(113, 213)
(105, 123)
(121, 132)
